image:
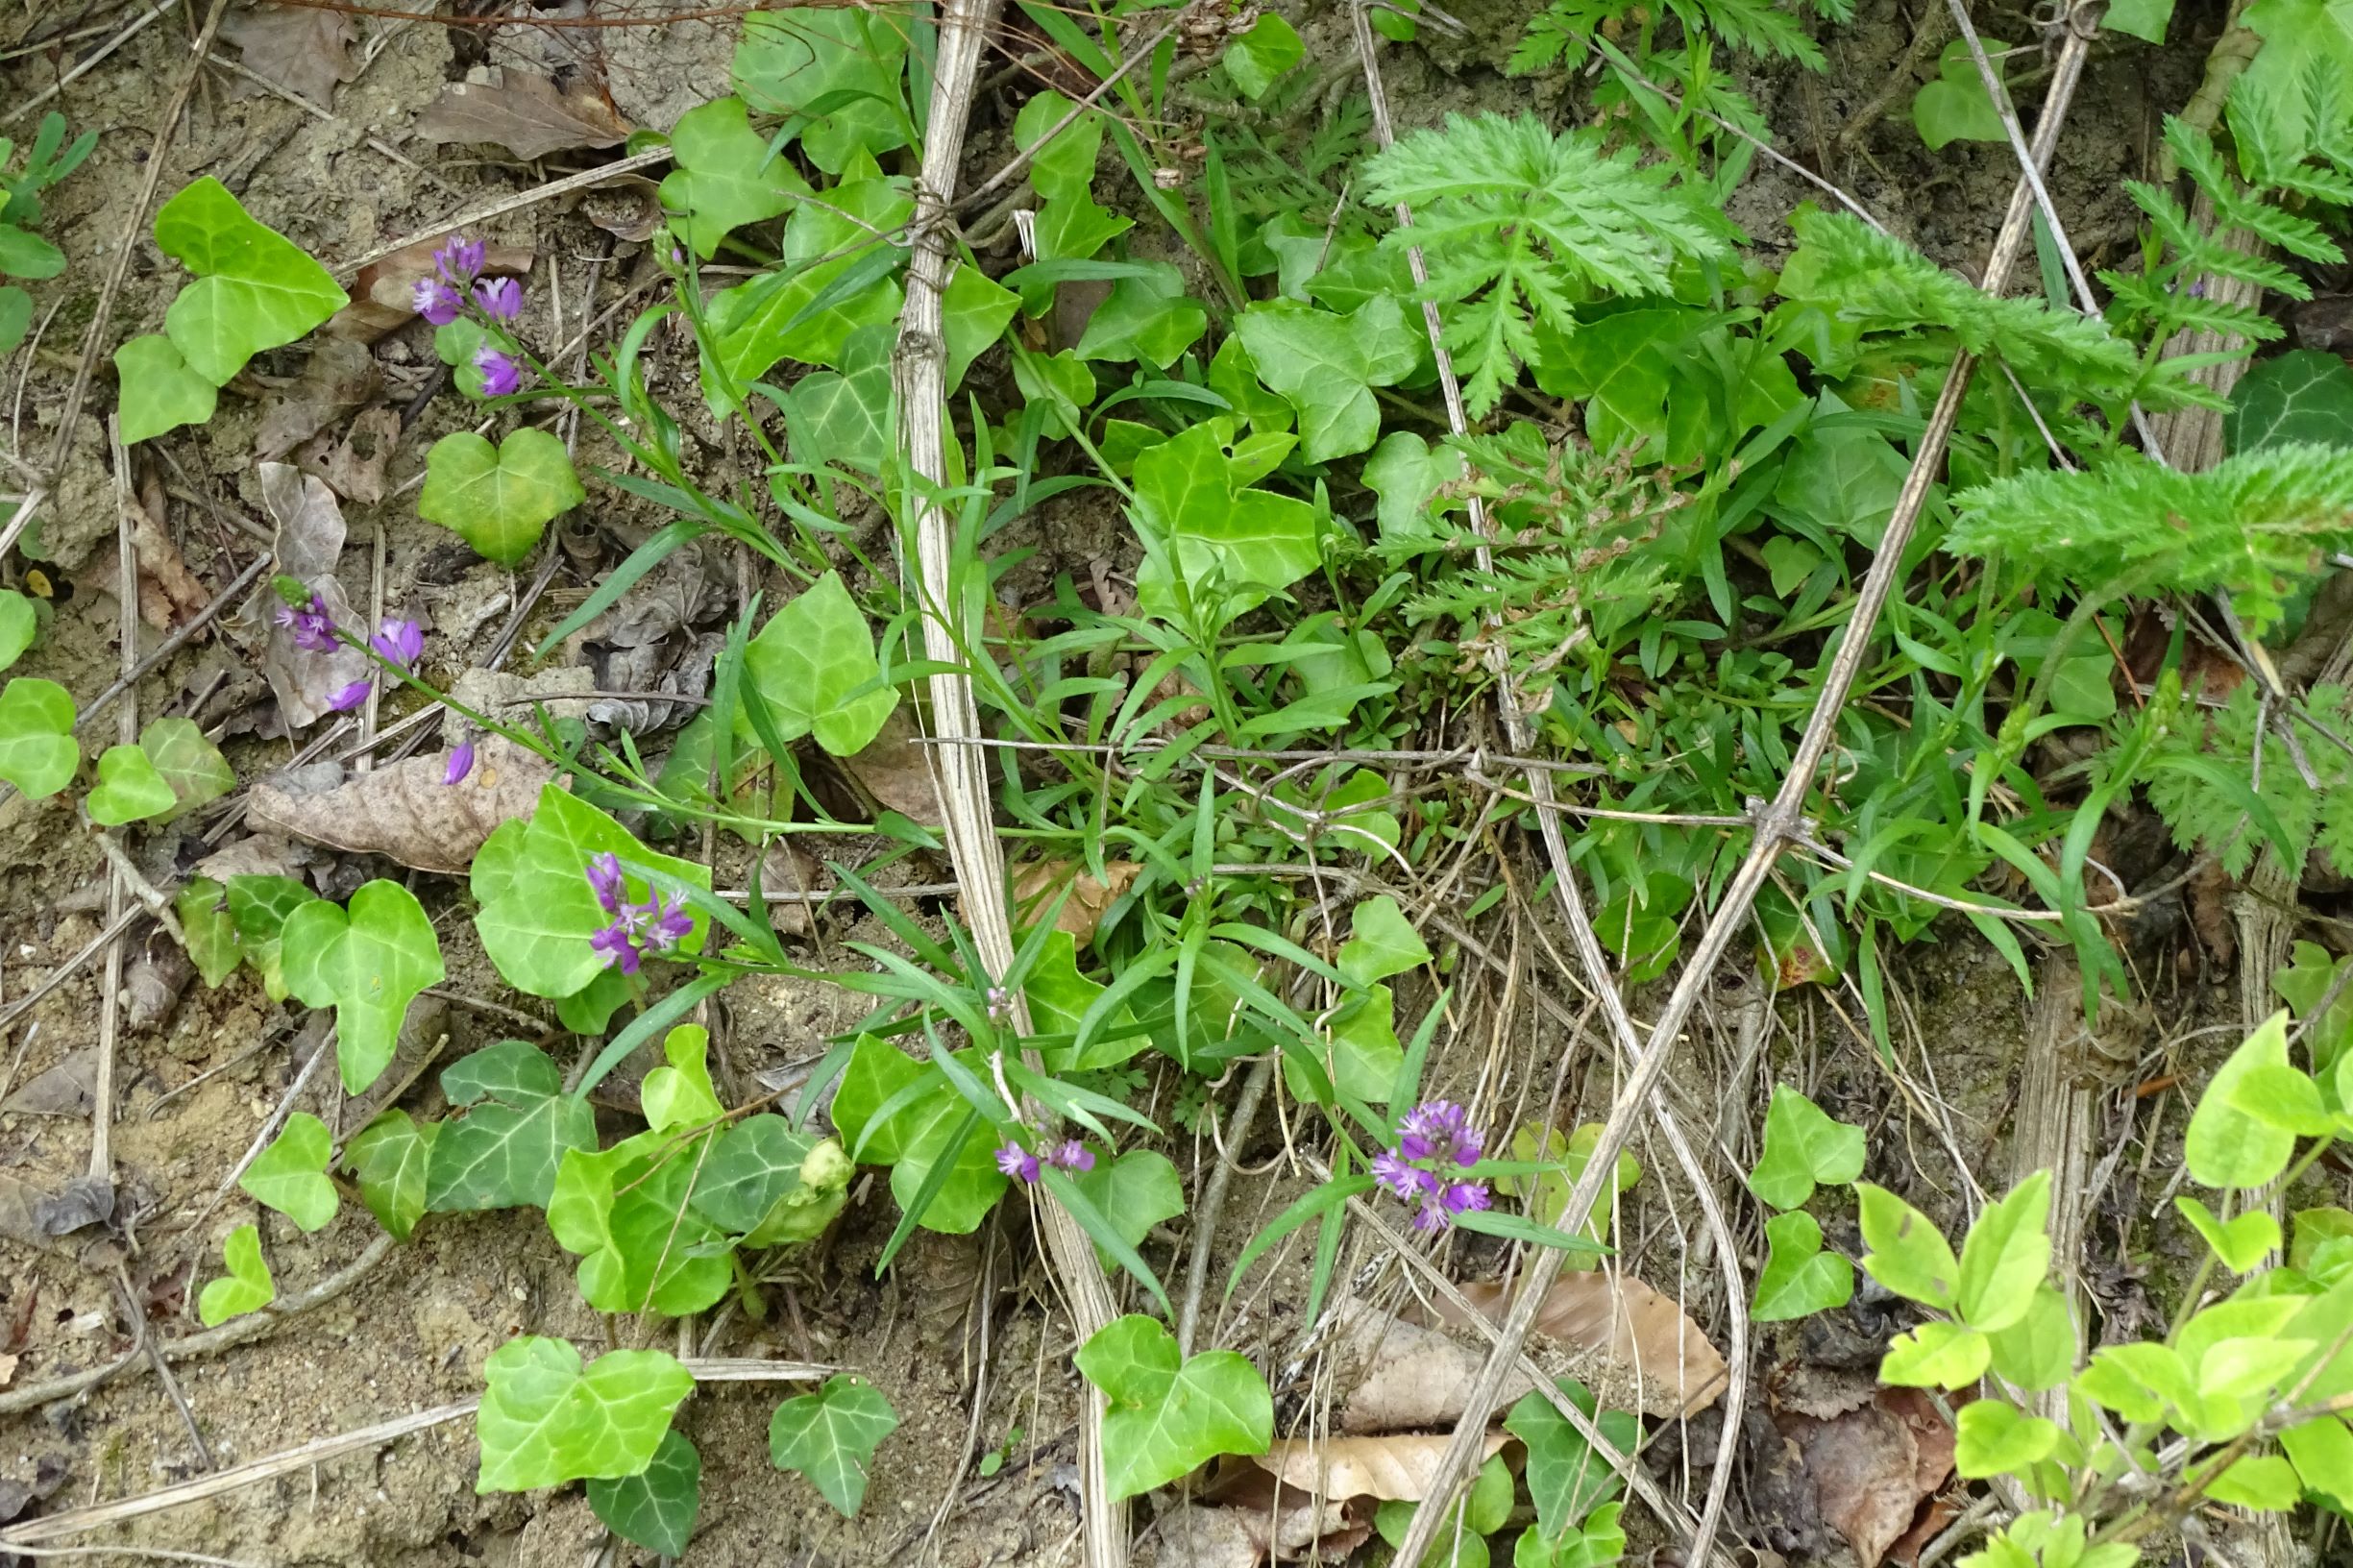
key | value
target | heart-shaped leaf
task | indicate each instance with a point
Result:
(190, 763)
(1566, 1479)
(129, 788)
(656, 1507)
(159, 392)
(2238, 1244)
(1169, 1414)
(202, 908)
(1135, 1192)
(1936, 1355)
(546, 1419)
(504, 1151)
(2303, 395)
(642, 1246)
(809, 659)
(1803, 1146)
(254, 289)
(259, 906)
(501, 499)
(1992, 1437)
(915, 1136)
(830, 1437)
(37, 753)
(1798, 1277)
(390, 1158)
(19, 622)
(247, 1286)
(291, 1175)
(1954, 106)
(727, 174)
(1256, 58)
(369, 964)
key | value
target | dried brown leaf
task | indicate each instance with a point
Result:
(529, 115)
(383, 296)
(1038, 883)
(64, 1091)
(304, 49)
(1662, 1359)
(896, 772)
(1395, 1468)
(405, 811)
(169, 593)
(1192, 1536)
(352, 464)
(340, 374)
(1874, 1467)
(1409, 1378)
(1285, 1523)
(309, 542)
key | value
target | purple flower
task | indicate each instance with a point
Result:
(1394, 1172)
(501, 298)
(1017, 1163)
(460, 259)
(1439, 1130)
(604, 876)
(667, 923)
(313, 628)
(1071, 1155)
(461, 763)
(437, 301)
(1431, 1138)
(500, 375)
(351, 696)
(1462, 1196)
(400, 642)
(618, 945)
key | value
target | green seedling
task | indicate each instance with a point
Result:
(247, 1286)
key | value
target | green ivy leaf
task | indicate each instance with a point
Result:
(2239, 1245)
(260, 907)
(1804, 1147)
(37, 752)
(802, 55)
(679, 1094)
(129, 788)
(915, 1136)
(1059, 381)
(825, 250)
(1566, 1479)
(2006, 1257)
(758, 1167)
(2144, 19)
(1798, 1277)
(1146, 317)
(2039, 1350)
(1204, 526)
(1936, 1356)
(1326, 366)
(642, 1246)
(546, 1419)
(1063, 169)
(2225, 1146)
(727, 174)
(247, 1286)
(499, 499)
(190, 763)
(1263, 54)
(1909, 1254)
(291, 1175)
(1135, 1191)
(504, 1152)
(370, 964)
(830, 1437)
(2302, 395)
(975, 311)
(1546, 1194)
(159, 391)
(655, 1509)
(390, 1158)
(1483, 1510)
(1171, 1414)
(814, 652)
(254, 289)
(846, 418)
(203, 909)
(1406, 471)
(1954, 106)
(1995, 1438)
(19, 624)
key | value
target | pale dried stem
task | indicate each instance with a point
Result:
(1779, 823)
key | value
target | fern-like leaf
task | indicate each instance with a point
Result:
(1753, 25)
(2205, 817)
(2253, 525)
(1519, 223)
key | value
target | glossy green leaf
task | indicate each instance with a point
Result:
(1380, 943)
(1171, 1414)
(1798, 1277)
(2039, 1350)
(2144, 19)
(1908, 1254)
(1954, 106)
(128, 789)
(1803, 1147)
(1135, 1191)
(370, 963)
(830, 1437)
(291, 1175)
(642, 1246)
(975, 311)
(260, 907)
(37, 753)
(1326, 365)
(159, 392)
(2302, 395)
(1566, 1478)
(254, 289)
(2006, 1257)
(2224, 1145)
(1146, 317)
(846, 418)
(26, 254)
(754, 1168)
(1406, 471)
(499, 499)
(915, 1138)
(727, 174)
(20, 625)
(654, 1508)
(247, 1286)
(545, 1419)
(2264, 1481)
(202, 908)
(2322, 1454)
(809, 658)
(503, 1153)
(851, 60)
(679, 1092)
(1222, 539)
(1064, 167)
(389, 1158)
(1936, 1356)
(1261, 55)
(186, 761)
(1992, 1437)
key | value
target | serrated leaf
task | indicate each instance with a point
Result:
(37, 752)
(291, 1175)
(805, 663)
(370, 963)
(159, 391)
(254, 289)
(1171, 1414)
(187, 762)
(727, 174)
(247, 1286)
(389, 1158)
(1798, 1277)
(2225, 1146)
(501, 499)
(546, 1419)
(128, 789)
(655, 1508)
(830, 1437)
(1804, 1146)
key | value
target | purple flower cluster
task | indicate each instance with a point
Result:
(655, 926)
(1434, 1141)
(312, 628)
(441, 299)
(1017, 1162)
(398, 643)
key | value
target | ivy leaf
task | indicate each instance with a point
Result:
(1566, 1479)
(2144, 19)
(1804, 1146)
(1203, 527)
(1406, 471)
(499, 500)
(975, 310)
(915, 1136)
(37, 753)
(1909, 1254)
(1326, 365)
(751, 1169)
(247, 1286)
(641, 1246)
(1064, 168)
(504, 1152)
(254, 289)
(814, 652)
(190, 763)
(129, 788)
(1798, 1277)
(19, 624)
(826, 251)
(2302, 395)
(1995, 1438)
(2238, 1245)
(1954, 106)
(370, 964)
(546, 1419)
(390, 1158)
(1146, 317)
(1135, 1192)
(679, 1094)
(844, 417)
(204, 915)
(1261, 55)
(1170, 1413)
(291, 1175)
(159, 392)
(1936, 1356)
(797, 55)
(2006, 1257)
(2225, 1146)
(830, 1437)
(727, 175)
(260, 907)
(655, 1509)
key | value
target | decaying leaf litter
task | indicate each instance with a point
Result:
(316, 454)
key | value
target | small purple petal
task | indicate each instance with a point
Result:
(500, 375)
(1016, 1162)
(351, 696)
(400, 642)
(1463, 1195)
(604, 876)
(1414, 1146)
(314, 630)
(616, 942)
(1071, 1155)
(1467, 1149)
(1394, 1173)
(501, 298)
(462, 258)
(668, 924)
(461, 763)
(1429, 1217)
(436, 301)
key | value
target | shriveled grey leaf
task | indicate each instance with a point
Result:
(353, 461)
(655, 669)
(405, 811)
(309, 542)
(1192, 1536)
(154, 983)
(1409, 1378)
(20, 1211)
(304, 49)
(526, 115)
(64, 1091)
(82, 1202)
(256, 854)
